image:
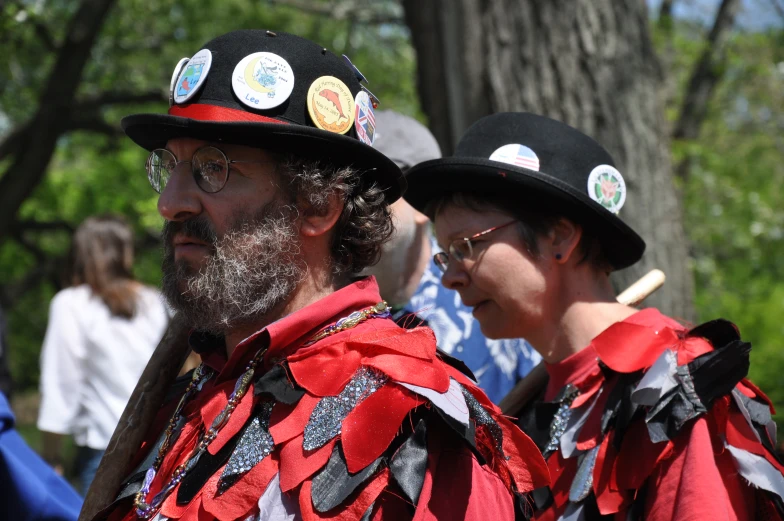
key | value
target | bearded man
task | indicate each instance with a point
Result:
(310, 403)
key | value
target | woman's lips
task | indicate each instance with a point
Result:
(478, 307)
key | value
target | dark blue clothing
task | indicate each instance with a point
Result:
(29, 489)
(86, 465)
(497, 364)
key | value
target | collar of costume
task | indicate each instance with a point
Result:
(617, 409)
(335, 424)
(289, 332)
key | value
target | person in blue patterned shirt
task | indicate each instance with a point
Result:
(411, 282)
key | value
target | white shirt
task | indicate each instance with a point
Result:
(91, 361)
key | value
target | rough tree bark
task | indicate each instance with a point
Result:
(589, 63)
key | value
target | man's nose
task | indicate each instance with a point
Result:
(181, 199)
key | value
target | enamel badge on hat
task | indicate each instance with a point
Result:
(262, 80)
(516, 155)
(331, 105)
(364, 118)
(607, 187)
(175, 76)
(192, 76)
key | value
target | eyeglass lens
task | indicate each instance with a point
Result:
(460, 250)
(209, 167)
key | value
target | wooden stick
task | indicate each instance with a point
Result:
(137, 417)
(527, 388)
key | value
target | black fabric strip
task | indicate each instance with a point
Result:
(619, 400)
(456, 363)
(718, 332)
(409, 463)
(204, 469)
(535, 419)
(717, 372)
(467, 433)
(335, 483)
(542, 497)
(277, 383)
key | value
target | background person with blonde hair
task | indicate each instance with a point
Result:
(102, 331)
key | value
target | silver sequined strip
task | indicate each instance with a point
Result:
(326, 419)
(560, 420)
(480, 415)
(254, 445)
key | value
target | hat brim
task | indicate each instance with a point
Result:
(621, 245)
(151, 131)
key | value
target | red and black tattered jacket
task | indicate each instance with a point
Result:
(653, 422)
(369, 423)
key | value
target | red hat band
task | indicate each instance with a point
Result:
(202, 112)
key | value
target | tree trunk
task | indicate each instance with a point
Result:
(589, 63)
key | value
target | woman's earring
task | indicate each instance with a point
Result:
(557, 256)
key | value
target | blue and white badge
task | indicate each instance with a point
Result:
(364, 119)
(516, 155)
(175, 75)
(262, 80)
(192, 76)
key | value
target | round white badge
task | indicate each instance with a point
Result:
(364, 118)
(607, 187)
(192, 76)
(262, 80)
(175, 75)
(516, 155)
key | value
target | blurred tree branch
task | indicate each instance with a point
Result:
(665, 11)
(116, 98)
(778, 7)
(361, 12)
(706, 74)
(34, 149)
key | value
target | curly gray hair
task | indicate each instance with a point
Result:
(364, 225)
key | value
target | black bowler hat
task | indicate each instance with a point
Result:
(272, 90)
(541, 161)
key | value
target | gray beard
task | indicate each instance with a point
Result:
(254, 268)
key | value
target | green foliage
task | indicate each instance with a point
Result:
(136, 52)
(734, 197)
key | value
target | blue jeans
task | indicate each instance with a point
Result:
(85, 466)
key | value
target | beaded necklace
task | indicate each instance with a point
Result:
(145, 510)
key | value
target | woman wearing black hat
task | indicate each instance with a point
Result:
(641, 418)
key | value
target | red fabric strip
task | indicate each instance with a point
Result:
(214, 113)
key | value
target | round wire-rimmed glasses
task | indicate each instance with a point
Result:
(209, 165)
(462, 249)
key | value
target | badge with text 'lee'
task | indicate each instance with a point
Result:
(364, 119)
(516, 155)
(192, 76)
(331, 105)
(262, 80)
(607, 187)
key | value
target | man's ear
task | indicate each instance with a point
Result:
(564, 237)
(318, 221)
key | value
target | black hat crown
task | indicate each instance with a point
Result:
(302, 80)
(536, 159)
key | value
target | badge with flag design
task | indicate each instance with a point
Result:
(517, 155)
(364, 120)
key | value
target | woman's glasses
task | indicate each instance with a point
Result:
(462, 249)
(209, 165)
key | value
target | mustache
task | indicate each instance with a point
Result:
(198, 228)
